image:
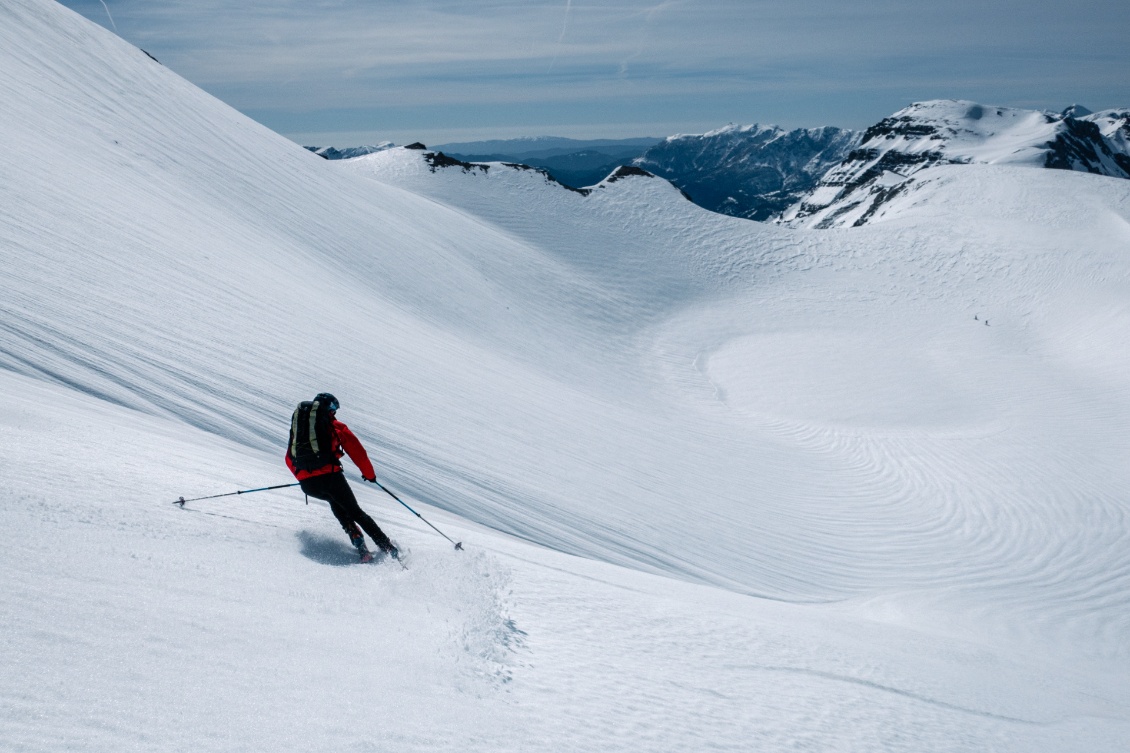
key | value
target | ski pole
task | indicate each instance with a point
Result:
(181, 500)
(458, 544)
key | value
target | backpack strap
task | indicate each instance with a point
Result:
(294, 432)
(313, 426)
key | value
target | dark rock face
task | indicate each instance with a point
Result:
(755, 172)
(947, 132)
(890, 128)
(876, 163)
(627, 171)
(439, 159)
(1080, 145)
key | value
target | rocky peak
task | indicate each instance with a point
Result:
(960, 132)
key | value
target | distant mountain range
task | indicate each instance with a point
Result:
(821, 177)
(752, 171)
(547, 146)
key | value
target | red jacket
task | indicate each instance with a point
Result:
(343, 442)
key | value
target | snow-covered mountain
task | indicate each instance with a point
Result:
(721, 485)
(576, 163)
(753, 171)
(351, 152)
(750, 171)
(940, 132)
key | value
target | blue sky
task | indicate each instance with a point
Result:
(347, 72)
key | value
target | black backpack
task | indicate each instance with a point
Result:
(311, 438)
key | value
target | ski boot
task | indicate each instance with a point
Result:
(362, 550)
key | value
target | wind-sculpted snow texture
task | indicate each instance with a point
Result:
(756, 172)
(721, 485)
(958, 132)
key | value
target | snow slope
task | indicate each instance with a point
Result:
(737, 329)
(817, 505)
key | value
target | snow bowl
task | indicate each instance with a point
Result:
(895, 378)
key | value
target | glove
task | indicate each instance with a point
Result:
(372, 480)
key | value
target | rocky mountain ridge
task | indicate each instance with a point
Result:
(351, 152)
(823, 177)
(957, 132)
(751, 171)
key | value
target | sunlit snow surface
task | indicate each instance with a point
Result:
(721, 485)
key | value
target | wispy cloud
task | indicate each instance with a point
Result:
(649, 15)
(561, 37)
(107, 8)
(724, 58)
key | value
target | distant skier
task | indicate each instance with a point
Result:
(317, 441)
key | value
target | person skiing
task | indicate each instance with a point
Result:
(317, 442)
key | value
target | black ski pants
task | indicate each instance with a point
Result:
(333, 488)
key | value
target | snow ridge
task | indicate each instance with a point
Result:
(352, 152)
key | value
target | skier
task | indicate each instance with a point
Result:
(317, 441)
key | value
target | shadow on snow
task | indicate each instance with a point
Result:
(325, 550)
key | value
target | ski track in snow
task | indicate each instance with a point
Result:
(723, 485)
(929, 441)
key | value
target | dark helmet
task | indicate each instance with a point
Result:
(326, 399)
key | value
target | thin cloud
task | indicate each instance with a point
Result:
(561, 36)
(669, 59)
(107, 8)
